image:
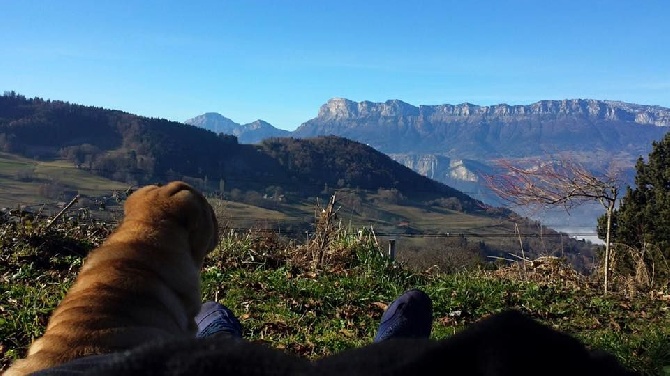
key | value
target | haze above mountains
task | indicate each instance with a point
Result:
(456, 144)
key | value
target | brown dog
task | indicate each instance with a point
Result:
(142, 284)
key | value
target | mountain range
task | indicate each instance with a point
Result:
(458, 144)
(398, 127)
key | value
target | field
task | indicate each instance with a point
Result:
(27, 182)
(287, 301)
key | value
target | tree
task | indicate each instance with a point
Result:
(642, 221)
(558, 181)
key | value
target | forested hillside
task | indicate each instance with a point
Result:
(140, 150)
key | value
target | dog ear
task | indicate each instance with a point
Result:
(189, 208)
(138, 198)
(196, 215)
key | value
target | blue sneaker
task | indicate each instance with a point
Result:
(409, 316)
(215, 319)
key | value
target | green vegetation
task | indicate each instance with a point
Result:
(326, 295)
(641, 224)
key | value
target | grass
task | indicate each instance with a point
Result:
(37, 173)
(283, 300)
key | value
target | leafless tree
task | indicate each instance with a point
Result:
(558, 181)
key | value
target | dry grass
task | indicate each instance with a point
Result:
(548, 270)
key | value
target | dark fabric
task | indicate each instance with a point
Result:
(505, 344)
(215, 319)
(409, 316)
(80, 366)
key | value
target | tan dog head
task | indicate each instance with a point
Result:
(180, 204)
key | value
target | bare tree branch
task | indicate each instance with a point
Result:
(552, 182)
(557, 181)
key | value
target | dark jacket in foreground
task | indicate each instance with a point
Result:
(508, 343)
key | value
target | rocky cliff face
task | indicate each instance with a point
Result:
(468, 131)
(594, 110)
(439, 167)
(464, 175)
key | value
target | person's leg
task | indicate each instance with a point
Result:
(409, 316)
(217, 319)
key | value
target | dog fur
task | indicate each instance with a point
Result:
(141, 285)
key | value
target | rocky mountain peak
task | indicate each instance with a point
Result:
(258, 124)
(215, 122)
(341, 108)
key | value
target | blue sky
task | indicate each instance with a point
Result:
(280, 60)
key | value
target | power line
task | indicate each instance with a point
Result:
(424, 235)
